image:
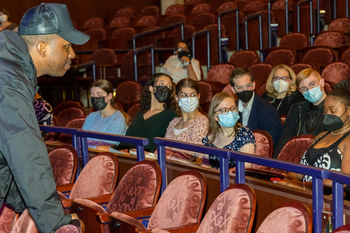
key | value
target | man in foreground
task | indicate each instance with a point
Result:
(42, 46)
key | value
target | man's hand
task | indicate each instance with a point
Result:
(185, 60)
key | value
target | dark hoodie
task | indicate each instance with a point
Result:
(26, 178)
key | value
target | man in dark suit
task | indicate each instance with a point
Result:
(255, 112)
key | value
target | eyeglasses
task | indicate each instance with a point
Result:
(179, 49)
(224, 111)
(249, 86)
(281, 78)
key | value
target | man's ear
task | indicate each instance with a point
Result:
(42, 47)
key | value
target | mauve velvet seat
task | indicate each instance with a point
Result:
(64, 162)
(138, 189)
(232, 211)
(25, 224)
(8, 218)
(181, 204)
(291, 217)
(98, 177)
(342, 229)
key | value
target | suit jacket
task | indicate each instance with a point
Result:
(265, 117)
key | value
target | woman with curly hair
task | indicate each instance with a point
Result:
(158, 108)
(281, 89)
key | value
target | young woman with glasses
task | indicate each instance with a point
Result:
(224, 131)
(282, 90)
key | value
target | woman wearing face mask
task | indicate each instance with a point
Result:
(158, 108)
(281, 89)
(330, 149)
(224, 131)
(192, 126)
(5, 24)
(107, 119)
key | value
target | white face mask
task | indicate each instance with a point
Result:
(281, 85)
(188, 104)
(3, 18)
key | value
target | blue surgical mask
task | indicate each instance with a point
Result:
(228, 120)
(313, 95)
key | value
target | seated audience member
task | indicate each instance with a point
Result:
(330, 148)
(281, 89)
(181, 65)
(43, 110)
(158, 108)
(5, 23)
(305, 117)
(192, 126)
(106, 119)
(225, 131)
(255, 112)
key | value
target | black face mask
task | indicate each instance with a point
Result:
(162, 93)
(183, 53)
(99, 103)
(245, 96)
(332, 122)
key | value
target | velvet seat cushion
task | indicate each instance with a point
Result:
(179, 205)
(286, 219)
(62, 163)
(230, 212)
(96, 179)
(7, 219)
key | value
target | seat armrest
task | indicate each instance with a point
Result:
(65, 188)
(102, 218)
(182, 229)
(67, 203)
(101, 199)
(140, 213)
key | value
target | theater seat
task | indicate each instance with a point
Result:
(64, 163)
(232, 211)
(128, 93)
(25, 224)
(8, 217)
(68, 114)
(67, 104)
(244, 58)
(138, 189)
(76, 123)
(220, 73)
(342, 229)
(181, 204)
(336, 72)
(98, 177)
(291, 217)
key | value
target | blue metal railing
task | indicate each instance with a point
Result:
(80, 137)
(335, 9)
(298, 15)
(318, 175)
(148, 47)
(194, 36)
(219, 30)
(252, 17)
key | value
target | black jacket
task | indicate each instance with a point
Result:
(26, 179)
(303, 118)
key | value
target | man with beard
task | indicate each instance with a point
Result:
(42, 46)
(255, 112)
(181, 65)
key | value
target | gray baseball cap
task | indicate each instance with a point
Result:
(51, 18)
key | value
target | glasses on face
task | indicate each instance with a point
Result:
(179, 49)
(248, 86)
(224, 111)
(311, 85)
(285, 78)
